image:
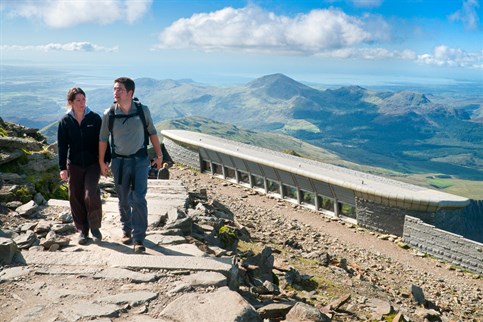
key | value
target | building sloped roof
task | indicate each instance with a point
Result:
(370, 187)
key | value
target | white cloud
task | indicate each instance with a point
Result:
(322, 33)
(452, 57)
(256, 30)
(369, 54)
(72, 46)
(62, 13)
(468, 14)
(136, 9)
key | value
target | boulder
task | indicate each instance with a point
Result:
(302, 312)
(8, 248)
(222, 305)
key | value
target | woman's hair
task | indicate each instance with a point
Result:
(72, 93)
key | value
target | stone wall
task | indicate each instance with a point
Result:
(467, 222)
(444, 245)
(182, 155)
(385, 219)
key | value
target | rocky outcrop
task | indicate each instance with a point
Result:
(27, 165)
(20, 143)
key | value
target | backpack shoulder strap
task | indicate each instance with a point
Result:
(111, 117)
(110, 126)
(140, 112)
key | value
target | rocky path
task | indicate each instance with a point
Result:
(346, 273)
(106, 279)
(392, 270)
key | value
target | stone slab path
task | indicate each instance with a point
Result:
(107, 281)
(162, 252)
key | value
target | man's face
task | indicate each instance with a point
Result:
(120, 93)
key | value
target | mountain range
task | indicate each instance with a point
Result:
(406, 131)
(403, 131)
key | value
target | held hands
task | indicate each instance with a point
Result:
(104, 168)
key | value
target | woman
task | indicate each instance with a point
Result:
(78, 145)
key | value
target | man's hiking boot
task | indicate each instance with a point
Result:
(139, 248)
(83, 238)
(96, 234)
(126, 238)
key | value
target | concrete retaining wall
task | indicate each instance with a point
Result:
(444, 245)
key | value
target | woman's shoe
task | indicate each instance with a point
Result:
(96, 233)
(83, 238)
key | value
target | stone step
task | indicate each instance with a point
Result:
(167, 183)
(132, 261)
(58, 203)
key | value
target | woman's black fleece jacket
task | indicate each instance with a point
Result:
(79, 143)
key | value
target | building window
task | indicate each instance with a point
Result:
(230, 173)
(326, 203)
(307, 197)
(347, 210)
(243, 177)
(273, 187)
(206, 166)
(290, 192)
(258, 182)
(217, 169)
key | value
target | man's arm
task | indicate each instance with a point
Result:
(157, 148)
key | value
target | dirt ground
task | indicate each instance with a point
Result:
(385, 268)
(392, 268)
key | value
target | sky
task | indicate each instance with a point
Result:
(223, 42)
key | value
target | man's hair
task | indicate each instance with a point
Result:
(128, 83)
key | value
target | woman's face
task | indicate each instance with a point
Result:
(79, 101)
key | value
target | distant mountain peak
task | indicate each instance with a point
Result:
(352, 91)
(415, 97)
(278, 86)
(271, 80)
(407, 101)
(408, 98)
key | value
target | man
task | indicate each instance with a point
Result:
(130, 161)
